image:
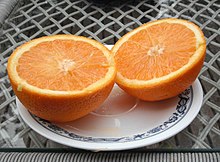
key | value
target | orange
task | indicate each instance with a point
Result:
(62, 77)
(159, 59)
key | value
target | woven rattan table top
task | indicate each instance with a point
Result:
(106, 21)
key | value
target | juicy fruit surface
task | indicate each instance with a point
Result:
(156, 51)
(159, 59)
(61, 78)
(75, 64)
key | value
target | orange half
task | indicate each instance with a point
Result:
(62, 77)
(160, 59)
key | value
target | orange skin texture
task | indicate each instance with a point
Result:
(61, 108)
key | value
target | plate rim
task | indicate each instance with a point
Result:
(186, 120)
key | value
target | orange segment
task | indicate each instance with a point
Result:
(160, 59)
(75, 64)
(62, 77)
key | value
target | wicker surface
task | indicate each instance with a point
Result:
(111, 157)
(106, 21)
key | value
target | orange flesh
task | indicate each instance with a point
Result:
(62, 65)
(156, 51)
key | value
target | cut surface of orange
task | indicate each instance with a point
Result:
(159, 59)
(62, 77)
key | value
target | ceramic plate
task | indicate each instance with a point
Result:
(122, 122)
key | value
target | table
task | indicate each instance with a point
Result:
(106, 21)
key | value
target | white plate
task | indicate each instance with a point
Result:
(122, 122)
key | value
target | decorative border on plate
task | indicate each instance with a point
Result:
(182, 108)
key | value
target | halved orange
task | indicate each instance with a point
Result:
(159, 59)
(62, 77)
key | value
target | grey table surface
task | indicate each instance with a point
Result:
(106, 21)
